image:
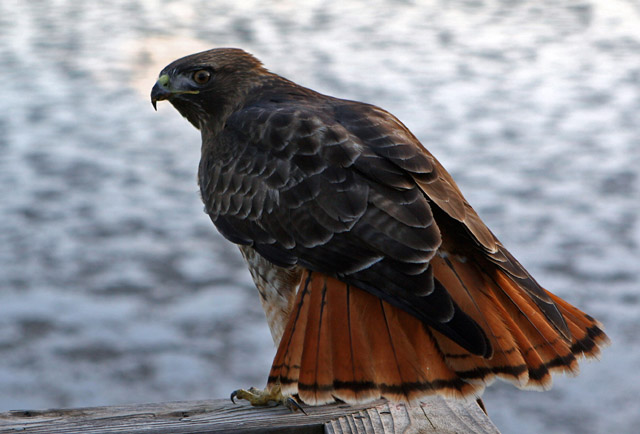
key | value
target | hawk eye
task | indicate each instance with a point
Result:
(201, 76)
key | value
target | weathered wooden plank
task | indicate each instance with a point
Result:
(436, 415)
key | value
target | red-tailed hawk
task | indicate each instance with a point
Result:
(377, 277)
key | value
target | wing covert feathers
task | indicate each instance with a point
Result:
(343, 343)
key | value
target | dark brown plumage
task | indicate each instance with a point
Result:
(402, 291)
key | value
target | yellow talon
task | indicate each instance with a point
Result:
(266, 397)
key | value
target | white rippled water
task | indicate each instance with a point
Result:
(115, 287)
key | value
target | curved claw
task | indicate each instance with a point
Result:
(294, 406)
(266, 397)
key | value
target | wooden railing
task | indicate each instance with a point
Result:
(435, 415)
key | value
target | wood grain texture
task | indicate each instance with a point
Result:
(435, 415)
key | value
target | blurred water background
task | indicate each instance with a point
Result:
(114, 285)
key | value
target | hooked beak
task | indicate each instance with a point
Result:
(163, 90)
(160, 90)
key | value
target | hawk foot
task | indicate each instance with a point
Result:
(266, 397)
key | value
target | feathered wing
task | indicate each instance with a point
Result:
(405, 291)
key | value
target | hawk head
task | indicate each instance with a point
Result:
(206, 87)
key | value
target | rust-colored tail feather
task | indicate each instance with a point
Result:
(344, 343)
